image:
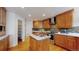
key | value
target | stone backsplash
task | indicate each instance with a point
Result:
(73, 29)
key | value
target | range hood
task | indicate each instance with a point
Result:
(53, 20)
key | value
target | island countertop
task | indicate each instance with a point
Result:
(39, 37)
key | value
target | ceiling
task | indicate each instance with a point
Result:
(37, 12)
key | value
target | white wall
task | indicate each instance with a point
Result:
(76, 16)
(29, 26)
(12, 28)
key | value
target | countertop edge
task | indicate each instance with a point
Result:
(2, 37)
(39, 38)
(69, 34)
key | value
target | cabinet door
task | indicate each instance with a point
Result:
(60, 23)
(4, 44)
(0, 15)
(43, 45)
(69, 18)
(39, 45)
(60, 40)
(46, 45)
(46, 23)
(77, 43)
(4, 16)
(64, 20)
(2, 20)
(70, 43)
(32, 44)
(37, 24)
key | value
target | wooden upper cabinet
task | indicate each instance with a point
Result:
(37, 24)
(42, 24)
(69, 19)
(60, 21)
(64, 20)
(46, 23)
(2, 21)
(2, 16)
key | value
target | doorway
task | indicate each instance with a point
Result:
(19, 31)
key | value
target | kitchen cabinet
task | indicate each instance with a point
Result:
(39, 45)
(64, 20)
(33, 44)
(43, 45)
(70, 43)
(2, 21)
(60, 40)
(37, 24)
(77, 43)
(4, 44)
(67, 42)
(47, 23)
(2, 16)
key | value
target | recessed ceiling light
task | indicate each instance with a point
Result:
(22, 7)
(44, 15)
(29, 15)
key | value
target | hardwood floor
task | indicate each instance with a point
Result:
(24, 46)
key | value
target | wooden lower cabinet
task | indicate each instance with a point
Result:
(68, 42)
(32, 44)
(4, 44)
(39, 45)
(77, 43)
(60, 40)
(43, 45)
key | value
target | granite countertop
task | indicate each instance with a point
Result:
(69, 34)
(39, 37)
(40, 31)
(2, 37)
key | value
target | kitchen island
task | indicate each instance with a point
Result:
(39, 43)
